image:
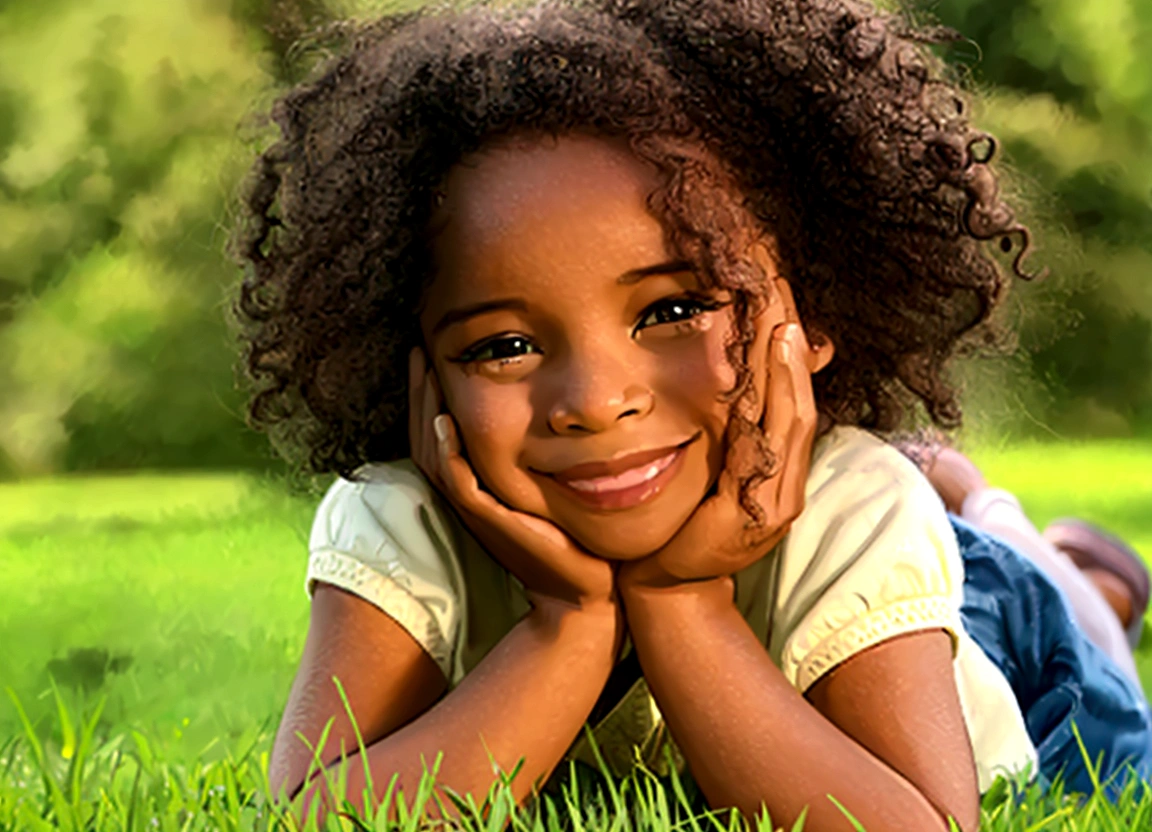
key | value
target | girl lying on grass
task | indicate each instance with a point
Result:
(601, 313)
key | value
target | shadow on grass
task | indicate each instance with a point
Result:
(85, 669)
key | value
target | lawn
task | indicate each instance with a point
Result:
(190, 586)
(177, 601)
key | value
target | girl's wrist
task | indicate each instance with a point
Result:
(647, 576)
(605, 617)
(590, 606)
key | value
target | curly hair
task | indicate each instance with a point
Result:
(823, 122)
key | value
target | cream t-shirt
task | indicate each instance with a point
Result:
(872, 556)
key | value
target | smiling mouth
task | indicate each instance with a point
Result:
(630, 487)
(628, 479)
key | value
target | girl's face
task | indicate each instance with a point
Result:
(580, 358)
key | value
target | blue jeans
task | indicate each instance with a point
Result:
(1021, 620)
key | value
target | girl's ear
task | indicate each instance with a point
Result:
(821, 351)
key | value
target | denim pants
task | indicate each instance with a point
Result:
(1022, 621)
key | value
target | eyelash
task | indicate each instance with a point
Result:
(704, 304)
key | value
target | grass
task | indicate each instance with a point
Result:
(180, 599)
(150, 627)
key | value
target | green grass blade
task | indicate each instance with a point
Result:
(369, 796)
(844, 811)
(798, 826)
(67, 732)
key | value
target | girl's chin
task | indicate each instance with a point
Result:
(617, 547)
(616, 536)
(625, 536)
(619, 556)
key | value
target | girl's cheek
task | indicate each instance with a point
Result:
(494, 420)
(696, 374)
(717, 372)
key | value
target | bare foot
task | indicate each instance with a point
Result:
(1114, 567)
(1115, 592)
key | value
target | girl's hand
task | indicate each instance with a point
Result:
(719, 538)
(546, 560)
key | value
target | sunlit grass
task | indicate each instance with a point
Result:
(139, 498)
(180, 599)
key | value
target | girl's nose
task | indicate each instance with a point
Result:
(591, 406)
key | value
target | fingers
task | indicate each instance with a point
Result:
(454, 471)
(785, 291)
(430, 407)
(454, 475)
(779, 303)
(435, 443)
(752, 407)
(451, 472)
(720, 526)
(507, 535)
(790, 421)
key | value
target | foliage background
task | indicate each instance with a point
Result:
(126, 127)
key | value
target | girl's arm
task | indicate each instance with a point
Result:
(886, 737)
(529, 698)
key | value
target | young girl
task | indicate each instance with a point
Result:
(597, 311)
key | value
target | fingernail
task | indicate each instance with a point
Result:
(440, 427)
(794, 337)
(785, 341)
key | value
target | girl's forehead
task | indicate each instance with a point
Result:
(562, 217)
(571, 196)
(519, 176)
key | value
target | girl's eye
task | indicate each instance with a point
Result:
(677, 310)
(508, 349)
(498, 349)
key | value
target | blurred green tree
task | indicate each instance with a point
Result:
(1067, 88)
(126, 126)
(121, 146)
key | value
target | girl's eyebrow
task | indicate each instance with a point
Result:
(671, 267)
(463, 313)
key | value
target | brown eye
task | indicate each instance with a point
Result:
(495, 349)
(676, 310)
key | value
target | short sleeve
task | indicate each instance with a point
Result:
(380, 539)
(872, 557)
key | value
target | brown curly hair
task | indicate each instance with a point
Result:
(823, 121)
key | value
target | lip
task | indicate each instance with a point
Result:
(619, 465)
(668, 459)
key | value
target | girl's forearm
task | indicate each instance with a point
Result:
(528, 698)
(748, 735)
